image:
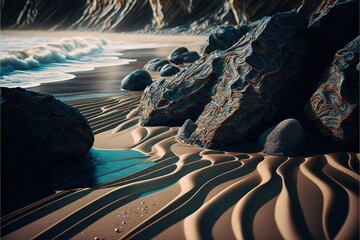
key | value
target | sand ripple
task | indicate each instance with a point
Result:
(196, 193)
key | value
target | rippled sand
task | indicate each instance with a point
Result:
(194, 193)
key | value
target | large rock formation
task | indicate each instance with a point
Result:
(124, 15)
(251, 84)
(334, 107)
(39, 131)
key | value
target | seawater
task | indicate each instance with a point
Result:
(30, 61)
(99, 167)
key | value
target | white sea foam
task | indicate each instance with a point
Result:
(64, 50)
(30, 61)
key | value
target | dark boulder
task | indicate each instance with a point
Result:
(169, 70)
(285, 139)
(39, 131)
(240, 91)
(223, 37)
(156, 64)
(136, 81)
(39, 136)
(190, 57)
(334, 107)
(176, 55)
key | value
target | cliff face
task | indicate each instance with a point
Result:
(148, 15)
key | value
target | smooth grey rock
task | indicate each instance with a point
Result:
(169, 70)
(285, 139)
(156, 64)
(186, 130)
(136, 81)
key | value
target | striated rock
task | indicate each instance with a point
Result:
(190, 57)
(123, 15)
(176, 55)
(284, 139)
(138, 80)
(39, 131)
(185, 131)
(169, 70)
(223, 37)
(334, 107)
(156, 64)
(252, 83)
(172, 101)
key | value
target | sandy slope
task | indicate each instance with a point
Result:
(194, 193)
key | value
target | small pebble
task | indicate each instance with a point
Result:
(96, 238)
(142, 215)
(142, 203)
(123, 222)
(117, 230)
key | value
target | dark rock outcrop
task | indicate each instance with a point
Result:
(335, 26)
(125, 15)
(138, 80)
(285, 139)
(39, 131)
(169, 70)
(334, 107)
(252, 83)
(156, 64)
(223, 37)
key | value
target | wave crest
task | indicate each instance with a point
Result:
(64, 50)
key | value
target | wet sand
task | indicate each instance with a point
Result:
(187, 192)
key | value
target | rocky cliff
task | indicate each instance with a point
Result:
(148, 15)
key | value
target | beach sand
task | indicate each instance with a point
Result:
(186, 192)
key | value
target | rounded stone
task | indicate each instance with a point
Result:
(136, 81)
(169, 70)
(176, 56)
(190, 57)
(285, 139)
(156, 64)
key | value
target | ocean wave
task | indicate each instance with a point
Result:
(66, 49)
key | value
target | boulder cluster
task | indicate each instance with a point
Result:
(253, 77)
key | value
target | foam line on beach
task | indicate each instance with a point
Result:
(65, 49)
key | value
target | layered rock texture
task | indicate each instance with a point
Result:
(249, 84)
(231, 96)
(124, 15)
(334, 106)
